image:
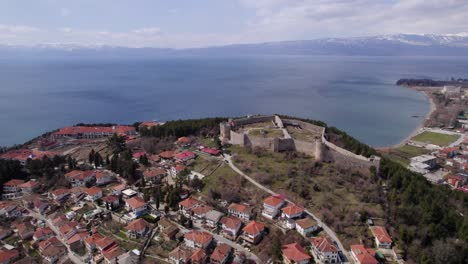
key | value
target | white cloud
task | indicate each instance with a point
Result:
(17, 29)
(148, 31)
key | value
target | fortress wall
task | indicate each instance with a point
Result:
(237, 138)
(305, 147)
(284, 144)
(304, 125)
(266, 143)
(252, 120)
(349, 162)
(279, 122)
(343, 151)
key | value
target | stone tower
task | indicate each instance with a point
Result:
(319, 155)
(225, 131)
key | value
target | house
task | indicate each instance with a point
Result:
(10, 210)
(8, 256)
(362, 255)
(60, 194)
(137, 155)
(117, 190)
(40, 206)
(231, 226)
(242, 211)
(306, 226)
(111, 202)
(184, 156)
(212, 218)
(90, 241)
(294, 253)
(289, 214)
(152, 175)
(79, 178)
(168, 230)
(451, 91)
(220, 254)
(148, 124)
(12, 189)
(29, 187)
(461, 158)
(43, 233)
(136, 205)
(187, 205)
(198, 257)
(423, 164)
(94, 193)
(324, 250)
(104, 177)
(69, 229)
(25, 230)
(4, 233)
(200, 212)
(253, 232)
(382, 238)
(52, 249)
(105, 243)
(129, 193)
(177, 169)
(76, 241)
(198, 239)
(167, 155)
(112, 254)
(180, 255)
(448, 153)
(211, 151)
(272, 206)
(137, 228)
(456, 181)
(184, 141)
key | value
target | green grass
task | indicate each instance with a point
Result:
(435, 138)
(403, 154)
(269, 132)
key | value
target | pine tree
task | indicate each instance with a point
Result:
(91, 156)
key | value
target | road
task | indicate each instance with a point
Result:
(325, 228)
(70, 254)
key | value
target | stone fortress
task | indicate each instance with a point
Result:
(279, 134)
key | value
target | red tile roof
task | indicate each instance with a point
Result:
(119, 187)
(198, 256)
(93, 191)
(13, 183)
(167, 154)
(6, 256)
(292, 209)
(77, 237)
(76, 130)
(136, 202)
(60, 191)
(306, 222)
(180, 167)
(189, 203)
(381, 234)
(211, 151)
(273, 201)
(199, 237)
(185, 155)
(221, 252)
(231, 222)
(323, 244)
(184, 140)
(104, 242)
(112, 253)
(110, 198)
(137, 225)
(254, 228)
(41, 232)
(240, 208)
(364, 255)
(149, 124)
(92, 239)
(295, 253)
(154, 172)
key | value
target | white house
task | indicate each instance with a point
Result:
(272, 206)
(241, 211)
(198, 239)
(324, 250)
(306, 226)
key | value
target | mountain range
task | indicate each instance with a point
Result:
(385, 45)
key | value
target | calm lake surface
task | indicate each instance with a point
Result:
(356, 94)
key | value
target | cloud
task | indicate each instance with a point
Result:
(148, 31)
(17, 29)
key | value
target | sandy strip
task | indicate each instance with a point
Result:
(419, 128)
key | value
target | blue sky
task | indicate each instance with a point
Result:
(195, 23)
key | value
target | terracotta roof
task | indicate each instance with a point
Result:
(77, 237)
(240, 208)
(295, 253)
(103, 174)
(184, 140)
(136, 202)
(381, 234)
(104, 242)
(112, 253)
(211, 151)
(202, 209)
(137, 225)
(40, 232)
(13, 182)
(139, 154)
(149, 124)
(51, 241)
(29, 184)
(7, 256)
(198, 256)
(306, 222)
(185, 155)
(323, 244)
(231, 222)
(273, 201)
(92, 239)
(189, 202)
(60, 191)
(110, 198)
(93, 191)
(221, 252)
(292, 209)
(181, 253)
(180, 167)
(75, 130)
(199, 237)
(119, 187)
(253, 228)
(167, 154)
(364, 255)
(154, 172)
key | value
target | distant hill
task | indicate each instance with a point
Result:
(388, 45)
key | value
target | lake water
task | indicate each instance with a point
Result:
(356, 94)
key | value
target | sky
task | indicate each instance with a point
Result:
(199, 23)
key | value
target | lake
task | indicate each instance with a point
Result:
(356, 94)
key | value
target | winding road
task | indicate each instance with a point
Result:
(325, 228)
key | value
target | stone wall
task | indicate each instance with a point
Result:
(284, 144)
(237, 138)
(252, 120)
(305, 147)
(266, 143)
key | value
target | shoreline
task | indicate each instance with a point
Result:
(416, 131)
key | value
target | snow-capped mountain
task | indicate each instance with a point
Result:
(384, 45)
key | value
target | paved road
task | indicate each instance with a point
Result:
(71, 255)
(325, 228)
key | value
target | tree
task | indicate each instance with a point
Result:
(98, 159)
(144, 160)
(91, 156)
(116, 143)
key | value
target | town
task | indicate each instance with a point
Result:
(111, 194)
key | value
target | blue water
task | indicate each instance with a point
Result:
(356, 94)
